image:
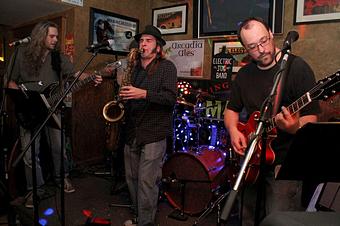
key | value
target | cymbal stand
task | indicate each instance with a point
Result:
(211, 207)
(197, 113)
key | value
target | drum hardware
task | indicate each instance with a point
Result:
(212, 119)
(230, 169)
(200, 172)
(200, 94)
(211, 207)
(181, 100)
(206, 107)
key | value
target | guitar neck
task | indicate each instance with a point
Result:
(295, 107)
(79, 84)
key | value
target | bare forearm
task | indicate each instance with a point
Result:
(231, 119)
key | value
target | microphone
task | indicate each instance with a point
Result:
(106, 43)
(21, 41)
(292, 36)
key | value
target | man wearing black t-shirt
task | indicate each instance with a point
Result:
(251, 86)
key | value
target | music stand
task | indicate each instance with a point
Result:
(314, 154)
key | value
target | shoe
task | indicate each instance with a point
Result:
(29, 200)
(68, 187)
(131, 222)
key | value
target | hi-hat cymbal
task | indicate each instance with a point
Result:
(200, 92)
(181, 100)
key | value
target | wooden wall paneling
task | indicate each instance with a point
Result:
(88, 124)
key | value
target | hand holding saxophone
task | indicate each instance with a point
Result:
(131, 92)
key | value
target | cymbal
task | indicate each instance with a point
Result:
(200, 92)
(181, 100)
(208, 96)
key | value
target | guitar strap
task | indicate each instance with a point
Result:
(56, 66)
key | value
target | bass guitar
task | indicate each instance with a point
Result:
(50, 96)
(324, 89)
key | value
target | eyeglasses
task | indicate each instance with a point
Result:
(264, 41)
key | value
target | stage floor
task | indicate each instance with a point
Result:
(94, 193)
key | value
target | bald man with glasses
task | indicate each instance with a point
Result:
(250, 88)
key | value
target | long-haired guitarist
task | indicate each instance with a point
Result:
(250, 88)
(37, 65)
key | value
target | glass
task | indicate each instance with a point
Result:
(264, 41)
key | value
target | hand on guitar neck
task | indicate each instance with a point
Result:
(98, 79)
(288, 122)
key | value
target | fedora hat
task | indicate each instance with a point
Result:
(151, 30)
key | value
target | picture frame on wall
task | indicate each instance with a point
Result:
(119, 29)
(171, 20)
(188, 57)
(213, 18)
(316, 11)
(234, 48)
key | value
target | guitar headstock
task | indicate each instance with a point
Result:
(326, 87)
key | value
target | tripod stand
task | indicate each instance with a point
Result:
(211, 207)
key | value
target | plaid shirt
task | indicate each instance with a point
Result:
(150, 120)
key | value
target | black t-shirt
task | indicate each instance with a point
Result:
(253, 85)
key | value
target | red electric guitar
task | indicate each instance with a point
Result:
(324, 89)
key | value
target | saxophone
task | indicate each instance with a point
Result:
(114, 111)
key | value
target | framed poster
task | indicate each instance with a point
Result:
(187, 55)
(212, 18)
(119, 29)
(316, 11)
(171, 20)
(234, 48)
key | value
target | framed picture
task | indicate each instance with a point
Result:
(234, 48)
(171, 20)
(106, 25)
(316, 11)
(219, 18)
(188, 56)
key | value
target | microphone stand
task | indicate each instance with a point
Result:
(259, 132)
(31, 143)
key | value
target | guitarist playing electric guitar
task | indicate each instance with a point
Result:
(38, 64)
(250, 88)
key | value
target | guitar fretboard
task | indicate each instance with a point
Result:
(293, 109)
(56, 96)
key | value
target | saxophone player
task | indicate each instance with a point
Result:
(149, 102)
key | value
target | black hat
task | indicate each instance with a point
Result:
(151, 30)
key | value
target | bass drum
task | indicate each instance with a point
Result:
(193, 177)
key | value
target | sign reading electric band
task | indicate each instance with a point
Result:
(222, 65)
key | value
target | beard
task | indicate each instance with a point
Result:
(265, 59)
(154, 50)
(151, 54)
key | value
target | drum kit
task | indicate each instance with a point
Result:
(196, 173)
(194, 126)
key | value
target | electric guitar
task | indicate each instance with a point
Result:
(324, 89)
(51, 95)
